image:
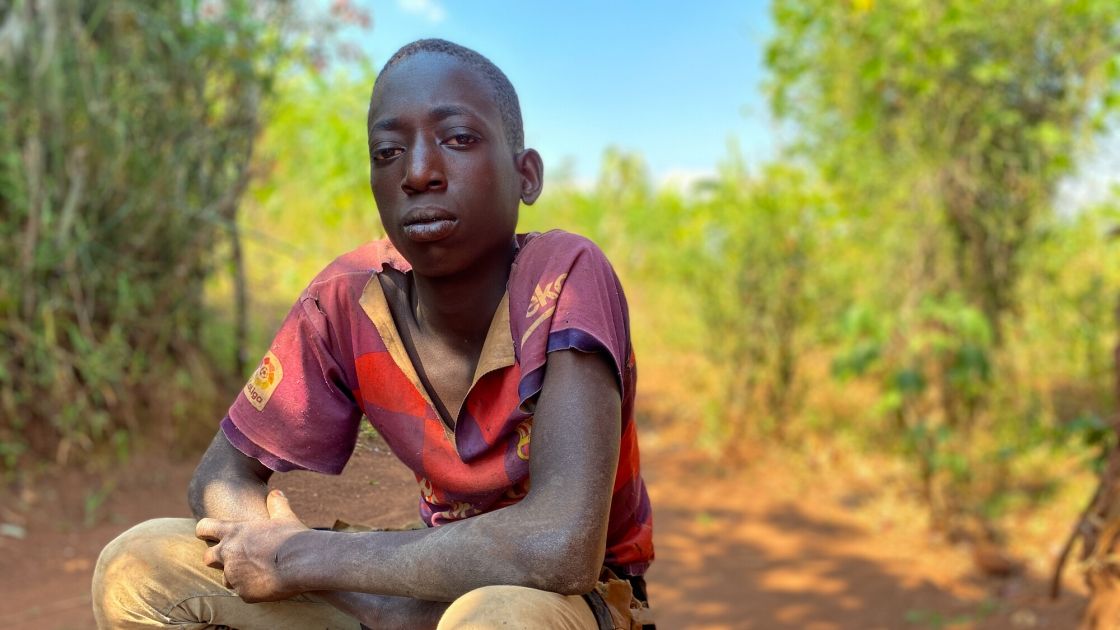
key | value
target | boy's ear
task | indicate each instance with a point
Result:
(531, 168)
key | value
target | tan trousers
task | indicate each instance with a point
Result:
(152, 576)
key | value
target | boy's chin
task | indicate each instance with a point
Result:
(446, 258)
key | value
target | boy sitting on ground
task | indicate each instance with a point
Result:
(468, 347)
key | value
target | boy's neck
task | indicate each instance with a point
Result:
(458, 309)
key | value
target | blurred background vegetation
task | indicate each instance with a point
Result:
(899, 282)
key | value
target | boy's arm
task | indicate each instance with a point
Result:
(554, 539)
(227, 484)
(230, 485)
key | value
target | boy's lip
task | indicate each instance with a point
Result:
(425, 224)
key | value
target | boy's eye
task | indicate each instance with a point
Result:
(385, 153)
(461, 140)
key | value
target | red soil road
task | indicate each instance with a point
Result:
(739, 550)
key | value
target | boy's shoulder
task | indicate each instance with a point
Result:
(361, 262)
(542, 250)
(550, 262)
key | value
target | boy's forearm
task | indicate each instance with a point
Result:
(441, 564)
(398, 564)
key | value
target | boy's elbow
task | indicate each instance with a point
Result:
(194, 497)
(204, 475)
(566, 564)
(576, 582)
(196, 494)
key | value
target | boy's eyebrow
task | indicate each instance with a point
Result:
(441, 112)
(386, 124)
(447, 111)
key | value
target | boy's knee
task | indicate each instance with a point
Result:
(143, 547)
(132, 569)
(516, 607)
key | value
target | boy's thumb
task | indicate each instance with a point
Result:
(277, 505)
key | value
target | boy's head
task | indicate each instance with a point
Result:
(503, 93)
(447, 165)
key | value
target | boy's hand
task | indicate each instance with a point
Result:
(248, 552)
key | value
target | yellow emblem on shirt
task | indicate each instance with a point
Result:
(264, 381)
(544, 293)
(524, 435)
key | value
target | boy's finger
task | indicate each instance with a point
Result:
(210, 529)
(278, 506)
(213, 557)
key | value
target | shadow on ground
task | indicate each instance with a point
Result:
(736, 552)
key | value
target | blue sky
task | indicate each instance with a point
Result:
(675, 85)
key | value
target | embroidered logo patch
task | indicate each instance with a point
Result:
(264, 381)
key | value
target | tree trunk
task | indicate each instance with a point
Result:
(1099, 532)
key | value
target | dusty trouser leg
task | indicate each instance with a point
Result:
(152, 576)
(517, 607)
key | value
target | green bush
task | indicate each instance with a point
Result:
(126, 130)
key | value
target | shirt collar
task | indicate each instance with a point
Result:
(497, 349)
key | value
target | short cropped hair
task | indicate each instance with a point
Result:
(504, 94)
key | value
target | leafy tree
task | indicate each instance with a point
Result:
(126, 130)
(953, 121)
(973, 110)
(934, 379)
(752, 245)
(309, 200)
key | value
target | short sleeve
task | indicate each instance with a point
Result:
(566, 296)
(297, 410)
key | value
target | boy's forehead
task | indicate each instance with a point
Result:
(433, 79)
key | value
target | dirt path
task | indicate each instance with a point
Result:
(747, 550)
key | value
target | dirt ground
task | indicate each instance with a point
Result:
(754, 548)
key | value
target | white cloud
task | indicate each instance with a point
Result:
(430, 10)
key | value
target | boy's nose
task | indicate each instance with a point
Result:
(425, 170)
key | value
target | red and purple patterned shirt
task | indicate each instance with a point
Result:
(338, 355)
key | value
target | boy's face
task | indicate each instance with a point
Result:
(446, 182)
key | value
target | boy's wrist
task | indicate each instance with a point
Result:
(303, 562)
